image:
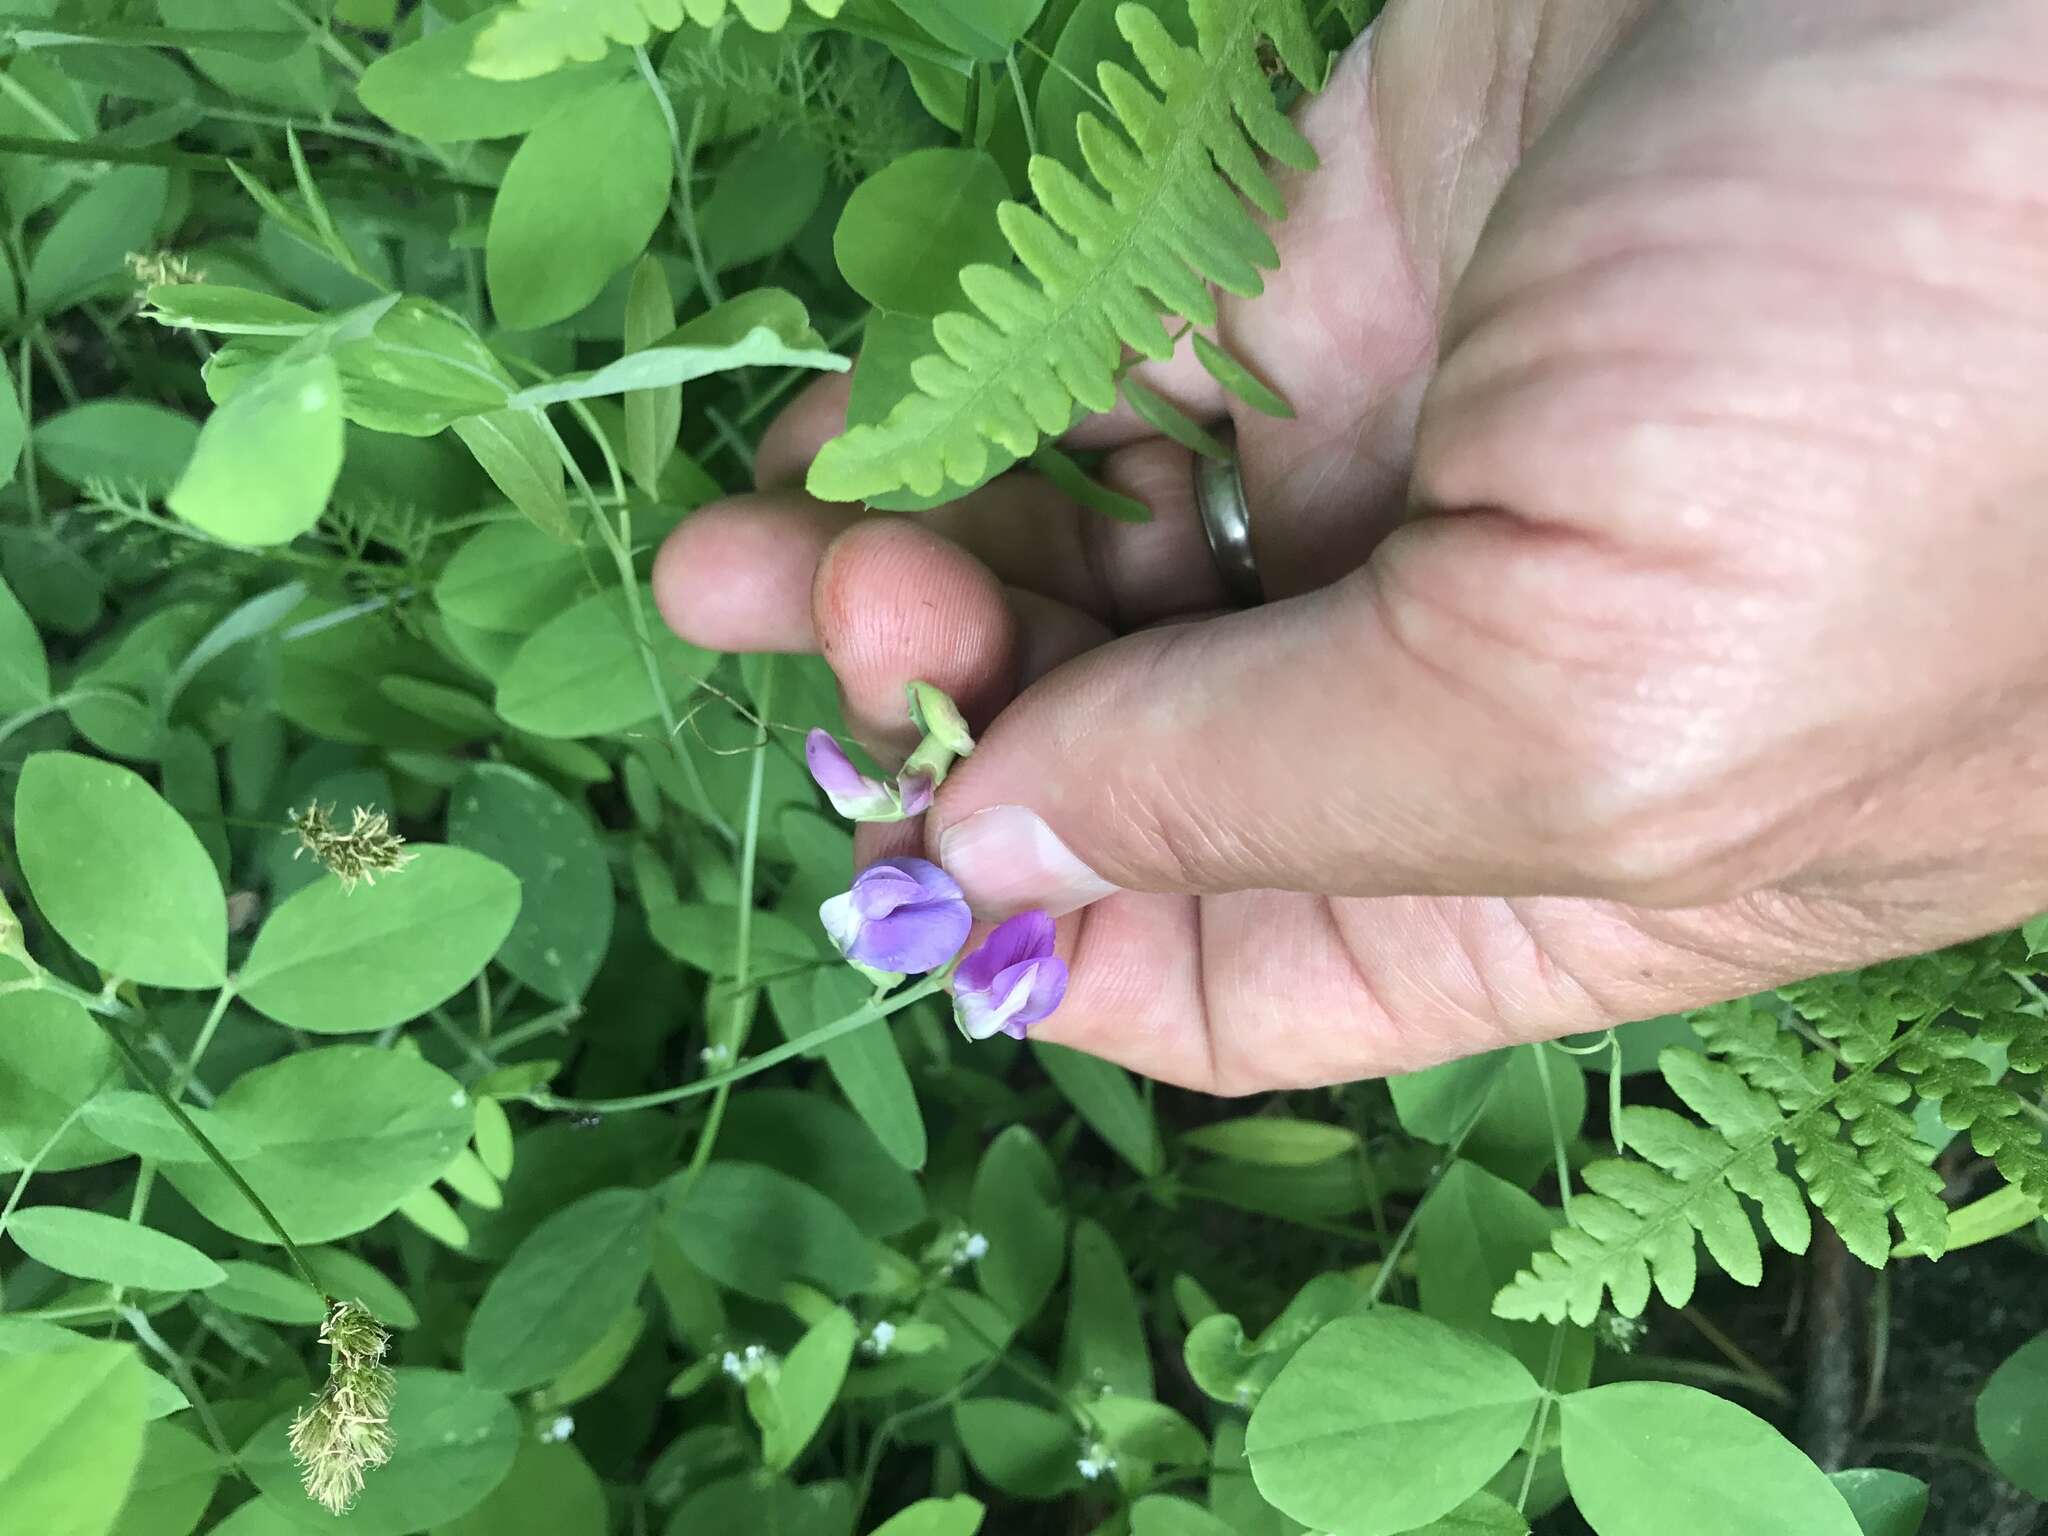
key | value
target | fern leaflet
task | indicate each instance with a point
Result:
(1165, 218)
(1841, 1111)
(538, 37)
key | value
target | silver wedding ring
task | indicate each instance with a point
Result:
(1227, 520)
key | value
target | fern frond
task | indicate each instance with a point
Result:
(1103, 263)
(538, 37)
(1841, 1112)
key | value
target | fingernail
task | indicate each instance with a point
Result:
(1008, 861)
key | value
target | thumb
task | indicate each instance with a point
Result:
(1363, 740)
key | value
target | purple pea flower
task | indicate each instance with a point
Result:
(853, 794)
(1012, 981)
(903, 917)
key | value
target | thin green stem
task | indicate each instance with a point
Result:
(31, 486)
(1392, 1261)
(1564, 1166)
(554, 1022)
(1542, 1418)
(615, 542)
(1023, 104)
(28, 1169)
(743, 936)
(139, 1324)
(213, 1154)
(868, 1013)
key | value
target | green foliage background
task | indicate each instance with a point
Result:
(359, 355)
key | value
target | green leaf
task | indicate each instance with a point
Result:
(668, 366)
(341, 1273)
(257, 1290)
(1481, 1515)
(12, 431)
(1068, 476)
(172, 1486)
(340, 962)
(453, 1442)
(515, 450)
(981, 29)
(908, 229)
(566, 899)
(137, 1122)
(1473, 1234)
(654, 417)
(1162, 1515)
(957, 1516)
(1884, 1503)
(762, 199)
(1385, 1422)
(867, 1065)
(1240, 380)
(266, 462)
(565, 219)
(582, 674)
(74, 1438)
(94, 1246)
(746, 1502)
(1016, 1206)
(821, 1145)
(426, 89)
(228, 311)
(1269, 1141)
(118, 873)
(90, 242)
(1105, 1098)
(1147, 1431)
(2010, 1413)
(1170, 421)
(1649, 1457)
(1164, 223)
(56, 1059)
(533, 37)
(510, 577)
(1019, 1447)
(343, 1134)
(803, 1391)
(560, 1291)
(24, 668)
(1442, 1103)
(550, 1491)
(1104, 1349)
(753, 1229)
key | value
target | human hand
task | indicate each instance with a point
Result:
(1650, 575)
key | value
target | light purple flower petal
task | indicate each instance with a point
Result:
(902, 915)
(853, 794)
(916, 792)
(1012, 981)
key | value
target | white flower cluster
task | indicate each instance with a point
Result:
(749, 1364)
(1097, 1461)
(879, 1338)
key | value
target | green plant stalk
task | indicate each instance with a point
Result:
(868, 1013)
(213, 1155)
(743, 938)
(140, 1326)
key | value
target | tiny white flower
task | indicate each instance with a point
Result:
(878, 1341)
(559, 1430)
(1096, 1461)
(973, 1246)
(716, 1055)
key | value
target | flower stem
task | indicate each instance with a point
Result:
(824, 1034)
(213, 1153)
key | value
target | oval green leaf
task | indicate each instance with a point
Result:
(1645, 1458)
(1386, 1422)
(343, 1135)
(566, 898)
(74, 1437)
(583, 674)
(118, 873)
(563, 1287)
(341, 962)
(95, 1246)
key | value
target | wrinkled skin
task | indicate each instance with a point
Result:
(1652, 570)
